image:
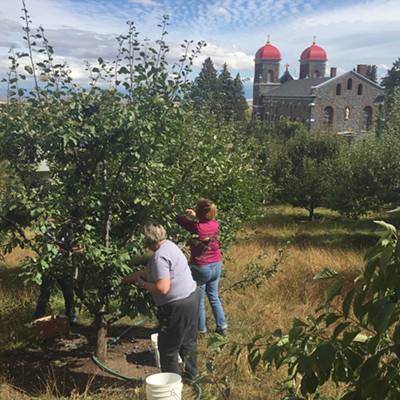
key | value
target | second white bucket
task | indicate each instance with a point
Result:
(164, 386)
(154, 342)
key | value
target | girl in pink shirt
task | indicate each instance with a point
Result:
(205, 259)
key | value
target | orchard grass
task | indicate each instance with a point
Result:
(331, 241)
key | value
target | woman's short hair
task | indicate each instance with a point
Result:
(153, 232)
(206, 209)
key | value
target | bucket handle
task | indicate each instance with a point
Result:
(175, 395)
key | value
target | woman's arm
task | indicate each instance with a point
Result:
(161, 286)
(134, 277)
(188, 224)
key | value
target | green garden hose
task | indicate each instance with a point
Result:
(127, 378)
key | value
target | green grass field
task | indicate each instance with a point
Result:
(331, 241)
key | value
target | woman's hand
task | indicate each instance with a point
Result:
(134, 277)
(190, 212)
(161, 286)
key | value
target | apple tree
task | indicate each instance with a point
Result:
(119, 152)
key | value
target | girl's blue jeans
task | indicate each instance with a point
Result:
(207, 278)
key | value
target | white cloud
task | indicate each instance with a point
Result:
(235, 59)
(356, 32)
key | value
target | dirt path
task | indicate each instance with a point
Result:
(64, 365)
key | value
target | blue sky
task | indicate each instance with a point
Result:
(352, 32)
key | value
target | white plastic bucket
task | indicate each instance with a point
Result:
(154, 342)
(164, 386)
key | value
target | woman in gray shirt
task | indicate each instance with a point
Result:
(169, 280)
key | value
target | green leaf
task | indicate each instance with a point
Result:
(348, 337)
(339, 329)
(386, 256)
(29, 69)
(270, 354)
(379, 314)
(334, 290)
(215, 342)
(254, 358)
(395, 212)
(390, 228)
(396, 334)
(294, 333)
(373, 344)
(350, 396)
(323, 356)
(370, 368)
(309, 384)
(330, 318)
(346, 305)
(359, 308)
(353, 359)
(123, 70)
(305, 363)
(325, 274)
(371, 260)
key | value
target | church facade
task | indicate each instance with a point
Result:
(345, 104)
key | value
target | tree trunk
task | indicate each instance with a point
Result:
(101, 335)
(100, 316)
(311, 215)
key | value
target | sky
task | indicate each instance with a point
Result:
(352, 32)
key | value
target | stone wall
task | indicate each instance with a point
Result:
(350, 98)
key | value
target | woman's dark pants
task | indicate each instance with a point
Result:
(178, 322)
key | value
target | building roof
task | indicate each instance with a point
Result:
(268, 51)
(314, 53)
(362, 77)
(286, 75)
(296, 88)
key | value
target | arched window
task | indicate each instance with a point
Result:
(367, 118)
(315, 74)
(347, 113)
(338, 89)
(328, 117)
(270, 76)
(349, 84)
(360, 89)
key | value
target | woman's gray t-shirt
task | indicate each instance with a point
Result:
(169, 262)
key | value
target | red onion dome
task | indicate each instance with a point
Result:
(313, 52)
(268, 51)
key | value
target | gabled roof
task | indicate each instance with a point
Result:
(362, 77)
(296, 88)
(302, 88)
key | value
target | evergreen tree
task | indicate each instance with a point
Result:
(391, 82)
(240, 101)
(392, 112)
(392, 79)
(225, 93)
(219, 92)
(232, 101)
(205, 87)
(372, 73)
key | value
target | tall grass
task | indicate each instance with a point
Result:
(16, 301)
(329, 242)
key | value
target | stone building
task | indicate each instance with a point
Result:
(345, 104)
